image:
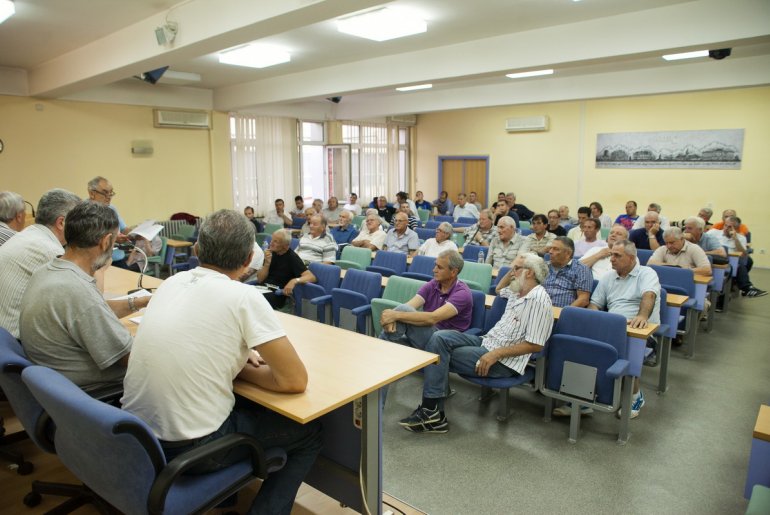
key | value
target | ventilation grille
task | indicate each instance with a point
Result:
(181, 119)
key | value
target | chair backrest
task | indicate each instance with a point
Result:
(480, 273)
(432, 224)
(26, 408)
(355, 257)
(395, 261)
(605, 231)
(425, 233)
(525, 231)
(471, 252)
(163, 250)
(424, 215)
(358, 221)
(466, 220)
(500, 274)
(327, 276)
(401, 289)
(597, 325)
(444, 218)
(297, 222)
(669, 316)
(681, 277)
(478, 315)
(458, 238)
(643, 255)
(524, 225)
(108, 449)
(294, 243)
(358, 288)
(495, 313)
(271, 228)
(423, 265)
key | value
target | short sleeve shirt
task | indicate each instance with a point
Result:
(691, 256)
(377, 238)
(403, 243)
(284, 268)
(459, 296)
(315, 250)
(502, 254)
(563, 284)
(623, 295)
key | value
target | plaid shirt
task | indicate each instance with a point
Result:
(501, 254)
(563, 284)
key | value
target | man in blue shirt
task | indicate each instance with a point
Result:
(569, 283)
(345, 232)
(443, 205)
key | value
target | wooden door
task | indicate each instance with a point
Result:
(464, 174)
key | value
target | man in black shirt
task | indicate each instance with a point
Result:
(282, 268)
(553, 223)
(384, 210)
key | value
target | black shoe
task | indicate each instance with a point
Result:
(651, 360)
(423, 420)
(753, 292)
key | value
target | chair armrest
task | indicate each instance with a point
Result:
(362, 310)
(619, 368)
(386, 272)
(321, 301)
(662, 329)
(690, 303)
(344, 263)
(262, 462)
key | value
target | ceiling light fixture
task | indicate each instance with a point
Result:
(7, 10)
(255, 56)
(535, 73)
(415, 88)
(686, 55)
(383, 24)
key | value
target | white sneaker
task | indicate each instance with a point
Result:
(565, 410)
(637, 402)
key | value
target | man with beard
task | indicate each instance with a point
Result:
(65, 322)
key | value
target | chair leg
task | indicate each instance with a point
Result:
(665, 355)
(548, 409)
(503, 407)
(625, 415)
(574, 422)
(486, 394)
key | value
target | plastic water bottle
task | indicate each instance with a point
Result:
(265, 246)
(481, 256)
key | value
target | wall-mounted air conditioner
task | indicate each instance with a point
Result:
(403, 119)
(170, 118)
(527, 124)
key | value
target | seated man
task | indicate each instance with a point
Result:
(464, 209)
(65, 322)
(309, 213)
(371, 236)
(353, 205)
(566, 219)
(299, 207)
(736, 242)
(504, 249)
(443, 205)
(522, 212)
(12, 215)
(385, 211)
(590, 239)
(650, 236)
(32, 248)
(412, 221)
(540, 240)
(569, 283)
(473, 199)
(597, 211)
(503, 352)
(576, 233)
(317, 246)
(432, 247)
(190, 348)
(402, 198)
(629, 219)
(255, 265)
(318, 206)
(710, 243)
(743, 228)
(248, 212)
(680, 252)
(598, 258)
(345, 232)
(662, 219)
(401, 238)
(554, 225)
(332, 211)
(705, 214)
(481, 233)
(446, 303)
(278, 215)
(283, 269)
(500, 209)
(421, 203)
(630, 290)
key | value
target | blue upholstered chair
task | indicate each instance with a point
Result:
(192, 262)
(421, 268)
(666, 331)
(682, 282)
(643, 255)
(471, 252)
(351, 302)
(354, 257)
(478, 276)
(388, 263)
(398, 291)
(500, 274)
(327, 278)
(587, 364)
(117, 455)
(444, 218)
(467, 220)
(425, 233)
(432, 224)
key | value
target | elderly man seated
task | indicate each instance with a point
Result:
(565, 218)
(481, 233)
(590, 239)
(743, 228)
(598, 258)
(371, 236)
(505, 247)
(540, 240)
(650, 236)
(332, 211)
(432, 247)
(412, 221)
(12, 215)
(662, 219)
(680, 252)
(464, 209)
(283, 269)
(522, 212)
(569, 282)
(736, 242)
(401, 238)
(345, 232)
(710, 243)
(317, 246)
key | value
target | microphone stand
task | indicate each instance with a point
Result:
(142, 271)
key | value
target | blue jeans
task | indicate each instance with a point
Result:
(407, 334)
(302, 443)
(458, 353)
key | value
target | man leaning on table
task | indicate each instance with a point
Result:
(679, 252)
(282, 267)
(65, 322)
(188, 350)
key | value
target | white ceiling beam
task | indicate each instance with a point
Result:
(693, 24)
(205, 26)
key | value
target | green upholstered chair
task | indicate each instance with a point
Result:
(478, 276)
(398, 291)
(354, 257)
(158, 260)
(423, 215)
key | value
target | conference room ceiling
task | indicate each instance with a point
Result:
(92, 49)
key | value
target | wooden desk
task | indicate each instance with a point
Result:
(762, 426)
(118, 281)
(759, 457)
(178, 244)
(340, 369)
(675, 300)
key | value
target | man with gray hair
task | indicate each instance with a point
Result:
(29, 250)
(432, 247)
(736, 242)
(680, 252)
(654, 206)
(705, 214)
(189, 350)
(317, 246)
(64, 322)
(650, 235)
(504, 351)
(100, 190)
(282, 269)
(711, 244)
(505, 247)
(481, 233)
(446, 303)
(12, 215)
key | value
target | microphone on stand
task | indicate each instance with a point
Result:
(142, 271)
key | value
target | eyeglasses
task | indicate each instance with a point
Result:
(106, 193)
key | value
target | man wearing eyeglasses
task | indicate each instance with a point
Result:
(100, 190)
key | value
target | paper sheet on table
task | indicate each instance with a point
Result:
(135, 295)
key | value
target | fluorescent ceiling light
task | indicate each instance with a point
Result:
(413, 88)
(383, 24)
(535, 73)
(181, 76)
(255, 56)
(7, 10)
(686, 55)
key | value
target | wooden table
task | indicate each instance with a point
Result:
(341, 369)
(759, 457)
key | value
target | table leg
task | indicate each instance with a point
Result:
(371, 452)
(665, 354)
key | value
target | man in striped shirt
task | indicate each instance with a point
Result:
(317, 246)
(503, 352)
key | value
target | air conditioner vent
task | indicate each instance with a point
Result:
(403, 119)
(167, 118)
(528, 124)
